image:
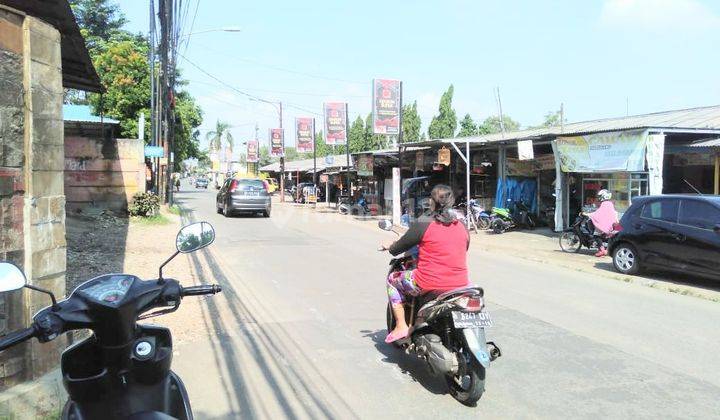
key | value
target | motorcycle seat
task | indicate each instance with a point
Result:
(151, 415)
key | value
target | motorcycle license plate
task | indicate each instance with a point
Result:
(471, 319)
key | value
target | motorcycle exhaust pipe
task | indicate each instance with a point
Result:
(493, 350)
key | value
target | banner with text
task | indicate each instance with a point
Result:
(335, 122)
(304, 134)
(603, 152)
(277, 143)
(387, 103)
(253, 154)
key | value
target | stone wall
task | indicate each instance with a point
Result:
(102, 173)
(31, 182)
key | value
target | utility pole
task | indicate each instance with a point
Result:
(282, 159)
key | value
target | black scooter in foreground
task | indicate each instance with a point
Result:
(122, 371)
(447, 330)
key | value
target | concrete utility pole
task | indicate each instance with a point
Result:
(282, 160)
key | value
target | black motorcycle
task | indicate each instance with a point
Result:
(447, 330)
(581, 234)
(123, 369)
(519, 216)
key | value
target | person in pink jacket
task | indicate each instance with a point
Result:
(604, 218)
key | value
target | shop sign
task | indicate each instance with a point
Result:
(252, 151)
(305, 134)
(419, 160)
(365, 165)
(444, 156)
(517, 167)
(387, 97)
(544, 162)
(604, 152)
(335, 122)
(277, 144)
(525, 150)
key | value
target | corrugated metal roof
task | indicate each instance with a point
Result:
(83, 113)
(706, 143)
(338, 161)
(703, 118)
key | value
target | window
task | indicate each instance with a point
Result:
(699, 214)
(251, 184)
(665, 210)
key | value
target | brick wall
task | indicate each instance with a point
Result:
(102, 173)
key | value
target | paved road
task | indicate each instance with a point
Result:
(298, 333)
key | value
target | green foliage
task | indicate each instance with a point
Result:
(220, 135)
(552, 119)
(144, 204)
(411, 123)
(124, 72)
(467, 127)
(444, 124)
(203, 159)
(188, 117)
(372, 141)
(99, 21)
(492, 125)
(356, 135)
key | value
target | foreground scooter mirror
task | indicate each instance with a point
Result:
(385, 224)
(195, 236)
(11, 278)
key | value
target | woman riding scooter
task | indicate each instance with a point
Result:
(603, 218)
(442, 265)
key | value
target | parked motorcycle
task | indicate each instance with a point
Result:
(504, 219)
(582, 234)
(448, 332)
(479, 217)
(353, 207)
(123, 369)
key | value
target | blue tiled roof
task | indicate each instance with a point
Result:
(83, 113)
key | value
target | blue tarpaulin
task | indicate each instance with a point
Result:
(516, 189)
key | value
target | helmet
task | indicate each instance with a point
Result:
(604, 195)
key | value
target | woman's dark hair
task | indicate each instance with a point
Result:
(441, 202)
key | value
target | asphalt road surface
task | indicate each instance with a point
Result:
(299, 329)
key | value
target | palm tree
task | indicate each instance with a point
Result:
(222, 132)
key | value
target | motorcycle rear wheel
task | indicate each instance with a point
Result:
(468, 388)
(570, 242)
(483, 223)
(498, 226)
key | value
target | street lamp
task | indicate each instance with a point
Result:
(223, 29)
(278, 108)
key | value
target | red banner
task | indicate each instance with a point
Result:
(335, 122)
(304, 134)
(387, 104)
(277, 142)
(253, 152)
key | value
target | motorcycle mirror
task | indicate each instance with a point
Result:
(11, 277)
(385, 224)
(195, 236)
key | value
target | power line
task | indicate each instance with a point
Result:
(284, 92)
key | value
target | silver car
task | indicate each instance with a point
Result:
(244, 195)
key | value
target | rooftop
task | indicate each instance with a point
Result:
(83, 113)
(337, 161)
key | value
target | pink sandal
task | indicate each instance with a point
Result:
(391, 338)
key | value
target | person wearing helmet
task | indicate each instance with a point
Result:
(604, 217)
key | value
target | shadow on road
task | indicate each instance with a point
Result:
(674, 278)
(265, 345)
(408, 364)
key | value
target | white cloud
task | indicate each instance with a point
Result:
(659, 15)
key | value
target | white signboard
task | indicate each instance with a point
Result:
(525, 150)
(603, 152)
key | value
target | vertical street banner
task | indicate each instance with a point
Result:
(387, 103)
(365, 165)
(253, 152)
(335, 122)
(277, 143)
(304, 134)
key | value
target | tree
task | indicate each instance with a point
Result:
(99, 21)
(410, 123)
(321, 149)
(467, 127)
(356, 136)
(492, 125)
(373, 141)
(124, 72)
(188, 117)
(444, 124)
(220, 135)
(552, 119)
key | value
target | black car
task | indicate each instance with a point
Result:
(669, 232)
(243, 195)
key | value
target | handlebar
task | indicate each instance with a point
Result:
(17, 337)
(201, 290)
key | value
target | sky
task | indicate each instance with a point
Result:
(599, 58)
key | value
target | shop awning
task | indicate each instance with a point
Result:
(698, 146)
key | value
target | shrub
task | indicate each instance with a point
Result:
(144, 204)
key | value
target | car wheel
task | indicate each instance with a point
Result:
(266, 213)
(626, 259)
(226, 211)
(219, 210)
